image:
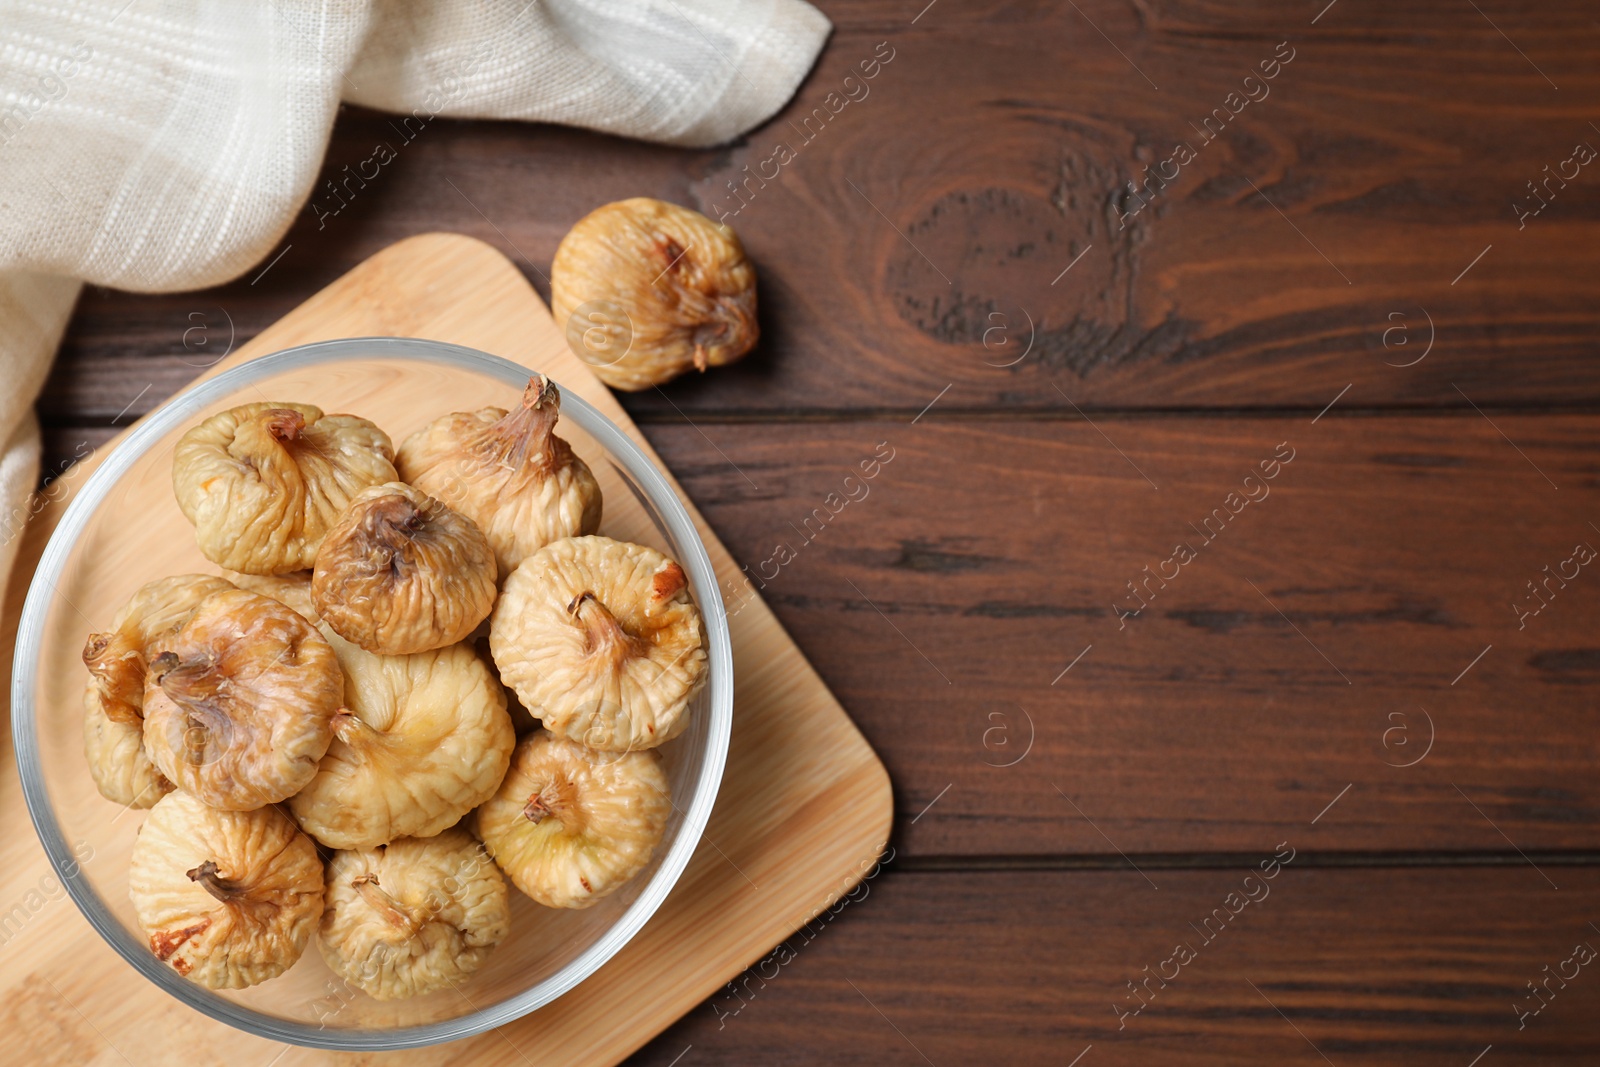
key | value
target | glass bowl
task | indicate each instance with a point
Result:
(124, 529)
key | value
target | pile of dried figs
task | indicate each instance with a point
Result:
(323, 746)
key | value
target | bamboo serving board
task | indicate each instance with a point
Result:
(804, 808)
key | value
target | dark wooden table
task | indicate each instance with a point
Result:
(1316, 347)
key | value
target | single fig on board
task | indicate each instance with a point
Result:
(645, 290)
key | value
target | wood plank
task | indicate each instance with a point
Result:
(1396, 143)
(946, 605)
(804, 805)
(995, 550)
(1413, 967)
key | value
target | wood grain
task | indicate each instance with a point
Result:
(1395, 143)
(988, 556)
(1406, 967)
(832, 816)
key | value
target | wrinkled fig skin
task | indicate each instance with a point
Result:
(113, 699)
(417, 916)
(118, 657)
(422, 740)
(263, 482)
(569, 825)
(600, 641)
(240, 702)
(646, 290)
(508, 472)
(402, 572)
(117, 761)
(292, 589)
(227, 899)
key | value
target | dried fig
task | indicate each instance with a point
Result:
(600, 641)
(113, 700)
(570, 825)
(507, 472)
(117, 761)
(422, 740)
(646, 289)
(239, 703)
(292, 589)
(263, 482)
(227, 898)
(117, 658)
(419, 915)
(401, 572)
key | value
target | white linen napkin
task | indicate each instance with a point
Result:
(161, 145)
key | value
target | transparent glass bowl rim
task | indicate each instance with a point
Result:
(184, 407)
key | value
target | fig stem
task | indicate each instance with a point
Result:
(394, 913)
(94, 648)
(526, 435)
(731, 326)
(189, 687)
(391, 523)
(605, 634)
(348, 726)
(181, 680)
(539, 392)
(118, 674)
(187, 684)
(284, 424)
(558, 798)
(213, 882)
(260, 441)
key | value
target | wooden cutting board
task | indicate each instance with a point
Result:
(804, 809)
